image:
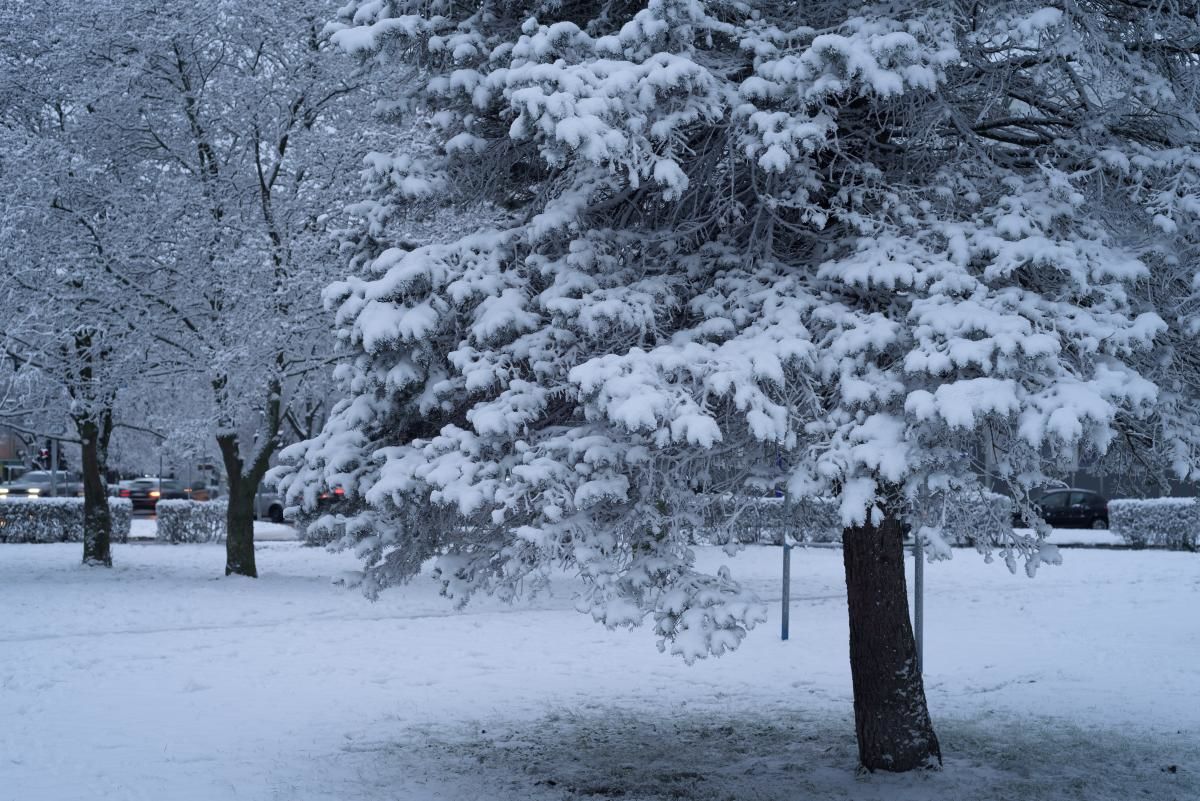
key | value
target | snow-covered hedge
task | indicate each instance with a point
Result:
(767, 520)
(1172, 523)
(191, 521)
(121, 510)
(56, 519)
(816, 520)
(970, 517)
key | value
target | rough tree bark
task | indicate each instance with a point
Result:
(244, 479)
(239, 522)
(891, 717)
(239, 519)
(97, 518)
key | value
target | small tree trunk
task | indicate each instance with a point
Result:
(245, 477)
(239, 518)
(239, 524)
(891, 717)
(97, 518)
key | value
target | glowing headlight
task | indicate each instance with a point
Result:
(35, 490)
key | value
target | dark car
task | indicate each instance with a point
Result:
(1073, 508)
(145, 493)
(44, 484)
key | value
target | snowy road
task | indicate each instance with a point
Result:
(161, 679)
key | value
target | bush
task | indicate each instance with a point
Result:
(1171, 523)
(970, 517)
(56, 519)
(122, 517)
(191, 521)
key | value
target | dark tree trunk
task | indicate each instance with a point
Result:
(239, 523)
(97, 518)
(891, 717)
(244, 477)
(239, 519)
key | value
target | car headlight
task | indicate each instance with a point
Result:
(35, 490)
(3, 490)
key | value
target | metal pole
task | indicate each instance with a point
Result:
(787, 590)
(919, 600)
(53, 468)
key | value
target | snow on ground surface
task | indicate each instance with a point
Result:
(1079, 537)
(146, 528)
(162, 679)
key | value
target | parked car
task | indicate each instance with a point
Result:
(44, 484)
(1073, 508)
(268, 506)
(145, 493)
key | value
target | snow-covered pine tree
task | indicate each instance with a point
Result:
(651, 254)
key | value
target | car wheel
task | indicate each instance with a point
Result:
(1099, 524)
(276, 514)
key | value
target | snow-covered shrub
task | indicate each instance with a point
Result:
(974, 517)
(766, 520)
(121, 510)
(1172, 523)
(191, 521)
(726, 518)
(817, 519)
(56, 519)
(969, 518)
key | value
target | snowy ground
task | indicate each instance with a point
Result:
(146, 528)
(161, 679)
(1080, 537)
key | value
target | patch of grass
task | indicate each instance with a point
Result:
(617, 754)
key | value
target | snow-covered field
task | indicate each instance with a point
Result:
(146, 528)
(161, 679)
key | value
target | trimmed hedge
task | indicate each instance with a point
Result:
(191, 521)
(766, 520)
(56, 519)
(1171, 523)
(816, 520)
(970, 517)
